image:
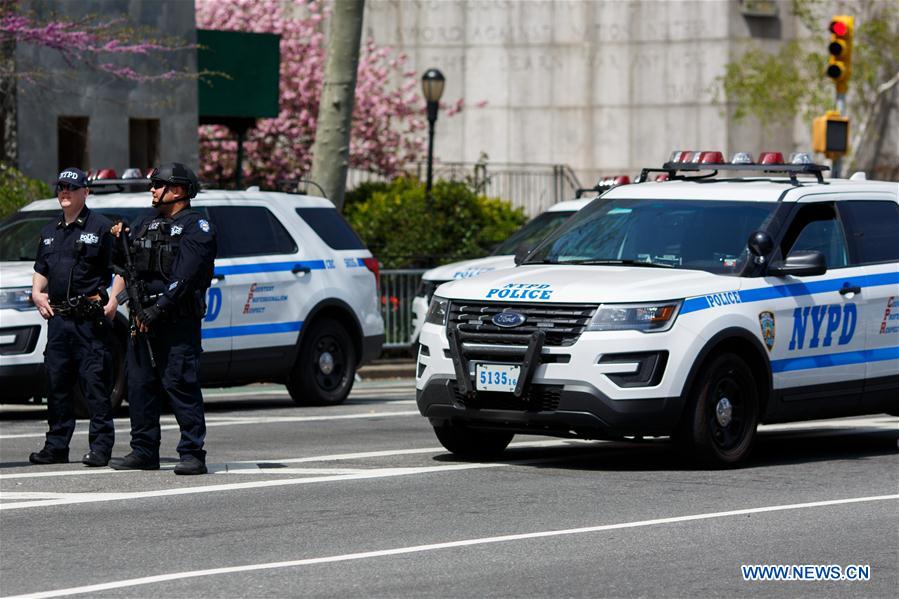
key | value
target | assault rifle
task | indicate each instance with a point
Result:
(134, 294)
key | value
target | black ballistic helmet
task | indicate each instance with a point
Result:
(175, 173)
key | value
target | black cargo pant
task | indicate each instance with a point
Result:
(175, 378)
(78, 353)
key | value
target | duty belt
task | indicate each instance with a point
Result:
(81, 307)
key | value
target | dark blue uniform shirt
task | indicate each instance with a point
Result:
(82, 249)
(191, 269)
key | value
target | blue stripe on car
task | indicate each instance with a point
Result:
(841, 359)
(243, 269)
(252, 329)
(695, 304)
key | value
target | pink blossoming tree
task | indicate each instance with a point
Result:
(388, 117)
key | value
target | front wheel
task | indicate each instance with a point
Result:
(720, 423)
(471, 443)
(326, 366)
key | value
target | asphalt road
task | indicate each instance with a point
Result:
(360, 500)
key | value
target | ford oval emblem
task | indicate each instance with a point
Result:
(507, 320)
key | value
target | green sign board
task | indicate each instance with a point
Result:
(252, 61)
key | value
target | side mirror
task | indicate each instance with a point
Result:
(760, 245)
(801, 263)
(522, 252)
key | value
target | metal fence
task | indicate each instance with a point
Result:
(398, 289)
(534, 187)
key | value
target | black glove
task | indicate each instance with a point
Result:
(148, 315)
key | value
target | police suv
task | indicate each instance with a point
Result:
(293, 299)
(696, 307)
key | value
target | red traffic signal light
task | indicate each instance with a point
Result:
(840, 50)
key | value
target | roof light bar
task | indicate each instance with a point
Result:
(771, 158)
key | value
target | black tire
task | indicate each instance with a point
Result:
(722, 415)
(471, 443)
(326, 365)
(119, 383)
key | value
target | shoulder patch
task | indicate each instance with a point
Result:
(204, 225)
(47, 240)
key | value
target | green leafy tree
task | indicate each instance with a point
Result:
(16, 189)
(775, 87)
(404, 229)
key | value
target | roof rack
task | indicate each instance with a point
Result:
(793, 170)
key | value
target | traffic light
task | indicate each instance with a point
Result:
(839, 66)
(830, 134)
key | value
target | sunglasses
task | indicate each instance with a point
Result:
(157, 184)
(66, 187)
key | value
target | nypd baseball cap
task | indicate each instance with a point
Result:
(72, 176)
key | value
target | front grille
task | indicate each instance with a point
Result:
(562, 323)
(537, 398)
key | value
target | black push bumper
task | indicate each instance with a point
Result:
(560, 410)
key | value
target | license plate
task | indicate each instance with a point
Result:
(496, 377)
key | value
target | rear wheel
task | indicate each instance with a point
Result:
(326, 366)
(471, 443)
(722, 416)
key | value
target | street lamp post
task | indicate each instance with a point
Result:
(432, 87)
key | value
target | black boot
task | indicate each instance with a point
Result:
(190, 464)
(133, 461)
(49, 456)
(93, 458)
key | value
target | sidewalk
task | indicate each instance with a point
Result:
(388, 369)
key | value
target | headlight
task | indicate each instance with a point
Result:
(437, 311)
(17, 298)
(649, 318)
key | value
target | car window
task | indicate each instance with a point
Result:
(705, 235)
(19, 233)
(249, 231)
(873, 230)
(533, 232)
(330, 226)
(816, 228)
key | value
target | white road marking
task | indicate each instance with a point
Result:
(75, 498)
(81, 471)
(247, 420)
(133, 582)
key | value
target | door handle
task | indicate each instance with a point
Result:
(847, 290)
(299, 268)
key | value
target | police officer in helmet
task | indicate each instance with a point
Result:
(71, 273)
(172, 253)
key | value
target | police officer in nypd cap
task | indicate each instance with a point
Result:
(173, 252)
(71, 273)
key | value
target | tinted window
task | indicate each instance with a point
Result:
(249, 231)
(533, 232)
(816, 228)
(19, 233)
(692, 234)
(331, 227)
(873, 230)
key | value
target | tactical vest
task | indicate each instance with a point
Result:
(155, 248)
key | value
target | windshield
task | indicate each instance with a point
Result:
(690, 234)
(533, 232)
(20, 233)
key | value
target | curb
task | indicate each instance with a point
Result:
(389, 370)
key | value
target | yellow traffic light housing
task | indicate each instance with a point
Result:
(830, 134)
(839, 65)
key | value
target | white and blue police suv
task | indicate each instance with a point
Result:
(695, 308)
(503, 256)
(293, 299)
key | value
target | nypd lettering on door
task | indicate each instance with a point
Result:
(522, 291)
(818, 326)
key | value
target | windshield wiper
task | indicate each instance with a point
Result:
(621, 263)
